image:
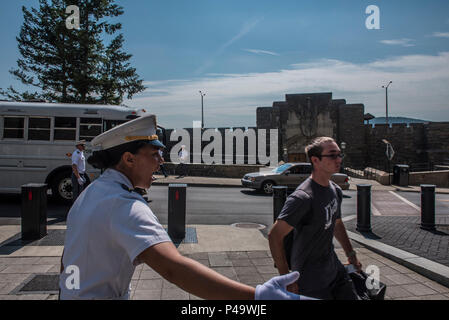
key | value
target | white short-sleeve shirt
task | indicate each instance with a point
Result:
(107, 228)
(79, 160)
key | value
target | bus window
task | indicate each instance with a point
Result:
(65, 128)
(90, 128)
(13, 128)
(39, 129)
(109, 124)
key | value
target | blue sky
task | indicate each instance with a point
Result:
(247, 53)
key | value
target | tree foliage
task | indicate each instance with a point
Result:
(73, 65)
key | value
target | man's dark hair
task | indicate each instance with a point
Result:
(315, 148)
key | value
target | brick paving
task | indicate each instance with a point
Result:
(249, 267)
(405, 233)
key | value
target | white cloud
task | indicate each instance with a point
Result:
(257, 51)
(419, 90)
(441, 34)
(399, 42)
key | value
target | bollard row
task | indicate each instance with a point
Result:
(364, 207)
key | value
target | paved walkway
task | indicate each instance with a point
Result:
(238, 253)
(234, 182)
(405, 233)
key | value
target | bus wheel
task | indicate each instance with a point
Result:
(61, 187)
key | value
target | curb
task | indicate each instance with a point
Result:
(402, 190)
(196, 184)
(429, 269)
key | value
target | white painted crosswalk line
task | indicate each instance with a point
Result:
(406, 201)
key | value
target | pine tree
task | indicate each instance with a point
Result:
(70, 65)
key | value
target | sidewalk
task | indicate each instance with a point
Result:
(236, 183)
(376, 186)
(31, 271)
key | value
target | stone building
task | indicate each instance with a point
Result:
(301, 117)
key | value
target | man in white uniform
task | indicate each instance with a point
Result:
(79, 177)
(111, 229)
(183, 156)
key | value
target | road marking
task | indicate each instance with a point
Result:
(375, 211)
(349, 218)
(406, 201)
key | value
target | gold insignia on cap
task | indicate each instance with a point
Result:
(134, 138)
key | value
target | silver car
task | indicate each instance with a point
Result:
(290, 174)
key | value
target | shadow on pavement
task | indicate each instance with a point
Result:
(370, 235)
(255, 193)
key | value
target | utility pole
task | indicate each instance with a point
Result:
(202, 109)
(386, 101)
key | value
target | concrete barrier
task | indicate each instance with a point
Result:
(438, 178)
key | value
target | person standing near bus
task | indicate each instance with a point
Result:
(79, 177)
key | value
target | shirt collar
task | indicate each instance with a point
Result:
(117, 176)
(112, 174)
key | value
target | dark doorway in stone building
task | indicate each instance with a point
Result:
(297, 157)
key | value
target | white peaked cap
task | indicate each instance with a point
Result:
(143, 129)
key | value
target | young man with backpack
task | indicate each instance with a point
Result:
(313, 214)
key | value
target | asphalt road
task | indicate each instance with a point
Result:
(212, 205)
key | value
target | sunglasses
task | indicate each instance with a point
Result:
(333, 156)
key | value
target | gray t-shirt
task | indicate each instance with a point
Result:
(312, 210)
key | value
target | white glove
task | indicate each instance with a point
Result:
(81, 181)
(275, 288)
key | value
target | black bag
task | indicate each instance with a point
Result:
(359, 281)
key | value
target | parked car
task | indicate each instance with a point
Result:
(290, 174)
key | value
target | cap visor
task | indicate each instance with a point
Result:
(156, 143)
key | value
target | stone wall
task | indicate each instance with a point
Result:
(351, 130)
(437, 140)
(416, 145)
(245, 157)
(302, 117)
(438, 178)
(215, 170)
(408, 142)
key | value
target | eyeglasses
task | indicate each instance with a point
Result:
(333, 156)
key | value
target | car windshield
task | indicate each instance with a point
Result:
(282, 168)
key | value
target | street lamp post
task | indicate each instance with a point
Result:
(386, 100)
(202, 109)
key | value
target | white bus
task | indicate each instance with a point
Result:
(37, 140)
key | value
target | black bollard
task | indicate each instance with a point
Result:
(428, 206)
(364, 207)
(34, 211)
(279, 197)
(177, 211)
